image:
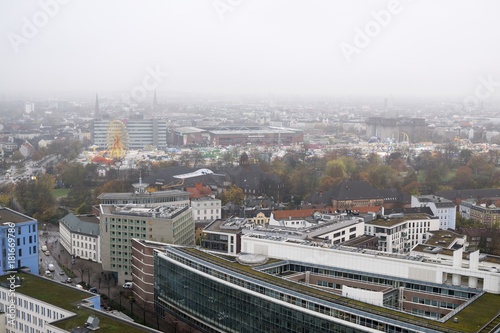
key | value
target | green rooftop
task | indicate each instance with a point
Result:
(470, 319)
(68, 298)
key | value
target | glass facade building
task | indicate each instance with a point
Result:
(218, 299)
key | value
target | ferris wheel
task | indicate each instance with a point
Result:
(117, 139)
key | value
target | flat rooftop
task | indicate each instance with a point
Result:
(163, 211)
(389, 222)
(470, 319)
(156, 194)
(9, 215)
(232, 225)
(51, 292)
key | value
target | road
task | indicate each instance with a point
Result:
(51, 240)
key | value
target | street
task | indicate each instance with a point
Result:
(92, 275)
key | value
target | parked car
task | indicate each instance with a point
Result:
(48, 273)
(47, 253)
(93, 290)
(127, 285)
(68, 280)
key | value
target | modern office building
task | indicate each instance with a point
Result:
(18, 241)
(444, 209)
(35, 304)
(79, 235)
(141, 133)
(257, 293)
(143, 272)
(120, 223)
(224, 236)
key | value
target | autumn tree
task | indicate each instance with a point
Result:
(233, 194)
(36, 198)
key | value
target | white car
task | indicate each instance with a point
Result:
(48, 273)
(127, 285)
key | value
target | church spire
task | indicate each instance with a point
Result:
(97, 112)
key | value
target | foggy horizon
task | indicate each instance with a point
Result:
(375, 49)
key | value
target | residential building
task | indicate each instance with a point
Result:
(120, 223)
(37, 304)
(444, 209)
(18, 241)
(79, 235)
(206, 209)
(303, 290)
(489, 216)
(398, 233)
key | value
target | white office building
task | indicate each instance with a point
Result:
(79, 235)
(206, 209)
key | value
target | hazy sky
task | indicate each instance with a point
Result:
(308, 47)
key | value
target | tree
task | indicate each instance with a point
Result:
(232, 194)
(36, 198)
(463, 178)
(336, 169)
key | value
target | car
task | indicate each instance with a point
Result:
(93, 290)
(48, 273)
(47, 253)
(68, 280)
(61, 272)
(127, 285)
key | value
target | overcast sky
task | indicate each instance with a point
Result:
(308, 47)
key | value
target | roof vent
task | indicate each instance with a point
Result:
(92, 323)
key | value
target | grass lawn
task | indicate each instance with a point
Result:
(60, 192)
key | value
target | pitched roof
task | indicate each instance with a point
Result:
(355, 190)
(82, 224)
(470, 194)
(285, 214)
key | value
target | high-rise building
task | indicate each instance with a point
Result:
(141, 133)
(120, 223)
(18, 241)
